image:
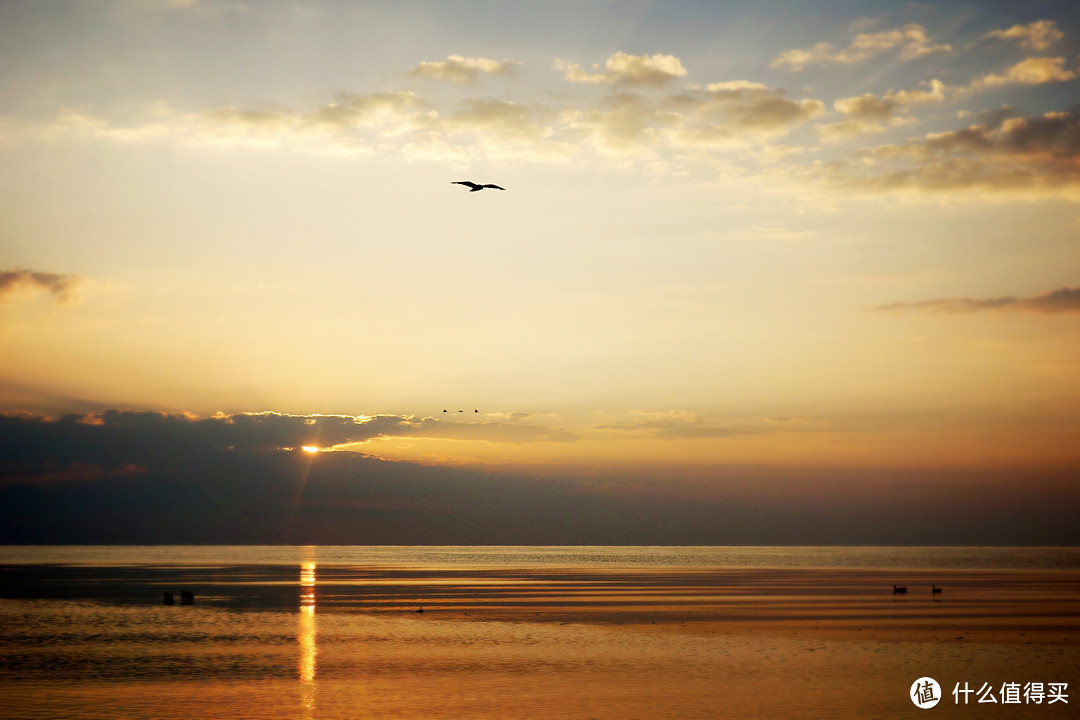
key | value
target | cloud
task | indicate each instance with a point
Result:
(1006, 154)
(1032, 71)
(728, 111)
(878, 107)
(910, 40)
(505, 120)
(682, 425)
(358, 110)
(273, 431)
(651, 70)
(869, 113)
(1055, 135)
(623, 121)
(1062, 300)
(133, 478)
(348, 112)
(720, 115)
(458, 69)
(1037, 35)
(15, 281)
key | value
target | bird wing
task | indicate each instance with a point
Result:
(496, 187)
(473, 185)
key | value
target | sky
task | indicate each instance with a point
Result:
(762, 272)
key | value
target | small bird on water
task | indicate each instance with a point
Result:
(473, 187)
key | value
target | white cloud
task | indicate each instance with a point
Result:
(853, 126)
(869, 113)
(1037, 35)
(651, 70)
(458, 69)
(1032, 71)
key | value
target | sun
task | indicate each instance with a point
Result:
(309, 448)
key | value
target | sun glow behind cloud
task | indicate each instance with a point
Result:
(863, 227)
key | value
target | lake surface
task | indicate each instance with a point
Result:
(508, 632)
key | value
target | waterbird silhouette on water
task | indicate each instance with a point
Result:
(935, 590)
(473, 187)
(899, 590)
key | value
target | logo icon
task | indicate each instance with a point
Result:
(925, 692)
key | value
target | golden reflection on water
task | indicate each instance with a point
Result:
(306, 637)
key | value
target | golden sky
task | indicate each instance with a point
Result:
(778, 233)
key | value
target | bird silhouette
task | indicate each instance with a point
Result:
(899, 590)
(935, 590)
(473, 187)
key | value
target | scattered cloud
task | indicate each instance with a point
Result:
(458, 69)
(1062, 300)
(652, 70)
(683, 425)
(736, 111)
(359, 110)
(672, 132)
(869, 113)
(1037, 35)
(910, 40)
(879, 107)
(506, 120)
(1032, 71)
(13, 282)
(671, 425)
(1006, 154)
(845, 129)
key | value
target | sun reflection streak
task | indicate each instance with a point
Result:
(306, 636)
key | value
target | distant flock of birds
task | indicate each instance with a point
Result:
(186, 598)
(897, 590)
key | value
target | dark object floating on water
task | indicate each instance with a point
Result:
(899, 590)
(168, 598)
(186, 598)
(474, 187)
(420, 610)
(935, 590)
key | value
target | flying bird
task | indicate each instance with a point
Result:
(473, 187)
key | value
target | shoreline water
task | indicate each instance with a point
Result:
(780, 556)
(315, 634)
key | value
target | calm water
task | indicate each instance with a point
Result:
(526, 556)
(528, 632)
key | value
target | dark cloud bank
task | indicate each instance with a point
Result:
(142, 477)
